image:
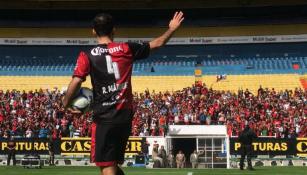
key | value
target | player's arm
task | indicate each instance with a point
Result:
(82, 69)
(173, 26)
(254, 135)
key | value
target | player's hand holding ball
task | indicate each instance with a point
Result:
(81, 102)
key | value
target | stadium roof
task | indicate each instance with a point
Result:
(142, 4)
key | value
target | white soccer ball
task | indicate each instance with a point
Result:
(83, 100)
(87, 93)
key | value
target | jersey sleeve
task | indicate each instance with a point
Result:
(82, 68)
(139, 51)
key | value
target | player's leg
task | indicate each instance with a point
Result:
(102, 148)
(169, 164)
(119, 171)
(242, 161)
(52, 158)
(124, 133)
(108, 170)
(160, 162)
(249, 157)
(111, 170)
(14, 158)
(243, 154)
(110, 147)
(9, 159)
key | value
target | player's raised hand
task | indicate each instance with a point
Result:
(173, 26)
(176, 21)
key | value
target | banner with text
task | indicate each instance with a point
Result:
(82, 146)
(29, 146)
(64, 146)
(172, 41)
(273, 146)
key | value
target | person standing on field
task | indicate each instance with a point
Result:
(162, 155)
(171, 159)
(194, 159)
(180, 159)
(11, 146)
(109, 65)
(51, 150)
(246, 139)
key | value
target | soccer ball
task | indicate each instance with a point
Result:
(83, 100)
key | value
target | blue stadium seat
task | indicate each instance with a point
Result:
(35, 61)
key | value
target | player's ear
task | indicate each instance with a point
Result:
(94, 32)
(112, 34)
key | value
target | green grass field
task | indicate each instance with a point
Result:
(142, 171)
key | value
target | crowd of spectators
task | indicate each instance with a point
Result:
(282, 114)
(38, 114)
(270, 113)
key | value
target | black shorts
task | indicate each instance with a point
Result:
(108, 143)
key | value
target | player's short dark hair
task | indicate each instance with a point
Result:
(103, 24)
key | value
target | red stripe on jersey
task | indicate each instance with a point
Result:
(93, 142)
(93, 152)
(82, 68)
(104, 164)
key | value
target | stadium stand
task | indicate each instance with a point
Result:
(215, 59)
(162, 83)
(64, 66)
(38, 113)
(265, 84)
(35, 67)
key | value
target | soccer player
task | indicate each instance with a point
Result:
(109, 65)
(11, 151)
(246, 139)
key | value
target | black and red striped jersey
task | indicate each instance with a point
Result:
(110, 68)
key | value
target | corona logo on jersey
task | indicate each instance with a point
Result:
(301, 147)
(99, 51)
